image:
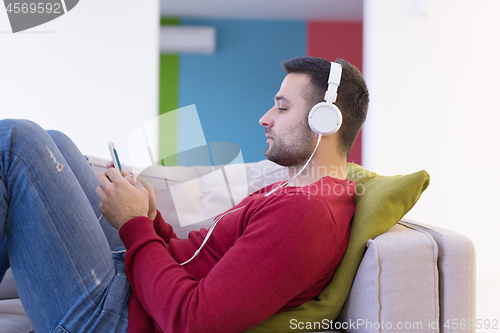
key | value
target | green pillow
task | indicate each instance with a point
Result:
(381, 201)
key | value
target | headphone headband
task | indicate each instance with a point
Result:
(333, 82)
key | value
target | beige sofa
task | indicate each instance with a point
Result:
(413, 278)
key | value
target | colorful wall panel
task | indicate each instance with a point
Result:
(234, 87)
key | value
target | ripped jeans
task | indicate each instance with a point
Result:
(65, 273)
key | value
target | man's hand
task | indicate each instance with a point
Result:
(141, 182)
(121, 198)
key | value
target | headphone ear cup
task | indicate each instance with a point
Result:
(325, 118)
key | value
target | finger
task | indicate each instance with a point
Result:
(103, 180)
(114, 175)
(125, 173)
(144, 183)
(100, 192)
(110, 164)
(131, 180)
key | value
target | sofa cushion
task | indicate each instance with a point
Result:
(381, 201)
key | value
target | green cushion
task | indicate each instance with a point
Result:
(381, 201)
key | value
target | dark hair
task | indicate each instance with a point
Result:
(352, 98)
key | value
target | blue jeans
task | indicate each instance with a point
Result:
(65, 273)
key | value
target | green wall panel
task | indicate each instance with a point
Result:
(169, 100)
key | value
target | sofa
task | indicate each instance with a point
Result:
(412, 277)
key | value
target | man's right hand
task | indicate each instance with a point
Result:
(142, 183)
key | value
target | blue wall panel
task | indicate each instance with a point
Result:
(234, 87)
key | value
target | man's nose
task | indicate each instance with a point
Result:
(266, 119)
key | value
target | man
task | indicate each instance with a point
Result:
(268, 254)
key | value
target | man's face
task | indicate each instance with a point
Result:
(290, 140)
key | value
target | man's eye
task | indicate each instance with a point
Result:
(281, 109)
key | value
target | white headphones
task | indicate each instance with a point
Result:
(325, 118)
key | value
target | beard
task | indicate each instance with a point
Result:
(293, 148)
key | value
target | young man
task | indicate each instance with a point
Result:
(268, 254)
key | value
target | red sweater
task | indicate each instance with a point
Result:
(275, 253)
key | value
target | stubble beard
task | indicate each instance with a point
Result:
(296, 151)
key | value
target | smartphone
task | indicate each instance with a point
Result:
(114, 156)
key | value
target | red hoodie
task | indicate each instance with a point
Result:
(275, 253)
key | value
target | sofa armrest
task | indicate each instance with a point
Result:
(396, 287)
(457, 277)
(413, 274)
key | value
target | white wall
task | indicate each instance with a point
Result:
(433, 70)
(92, 73)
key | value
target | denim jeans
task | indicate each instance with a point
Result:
(65, 273)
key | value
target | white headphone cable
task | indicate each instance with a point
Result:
(298, 173)
(209, 233)
(114, 251)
